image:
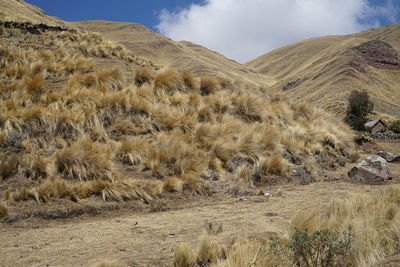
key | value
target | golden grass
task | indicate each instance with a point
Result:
(85, 160)
(375, 222)
(67, 123)
(3, 210)
(184, 256)
(144, 75)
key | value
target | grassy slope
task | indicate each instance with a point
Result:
(16, 10)
(184, 56)
(321, 65)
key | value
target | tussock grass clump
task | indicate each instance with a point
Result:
(184, 256)
(144, 75)
(3, 210)
(85, 160)
(208, 85)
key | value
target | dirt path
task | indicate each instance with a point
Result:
(85, 240)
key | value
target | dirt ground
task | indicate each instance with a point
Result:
(137, 237)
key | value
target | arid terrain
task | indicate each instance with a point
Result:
(137, 237)
(121, 147)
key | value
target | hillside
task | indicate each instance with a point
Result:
(325, 70)
(108, 159)
(20, 11)
(183, 55)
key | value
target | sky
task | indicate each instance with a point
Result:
(239, 29)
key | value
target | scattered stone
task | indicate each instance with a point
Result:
(232, 165)
(374, 169)
(389, 157)
(292, 157)
(211, 175)
(331, 179)
(341, 161)
(303, 175)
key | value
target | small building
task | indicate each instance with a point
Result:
(374, 126)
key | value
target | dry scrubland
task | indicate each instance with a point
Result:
(82, 118)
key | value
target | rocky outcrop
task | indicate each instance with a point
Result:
(374, 169)
(379, 54)
(389, 157)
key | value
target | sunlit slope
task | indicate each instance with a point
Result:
(183, 55)
(325, 70)
(16, 10)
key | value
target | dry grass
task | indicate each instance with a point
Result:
(3, 210)
(66, 124)
(375, 222)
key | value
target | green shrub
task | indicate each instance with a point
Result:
(323, 248)
(358, 108)
(395, 126)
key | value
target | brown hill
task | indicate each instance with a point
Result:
(185, 56)
(18, 10)
(325, 70)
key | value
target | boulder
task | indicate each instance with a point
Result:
(374, 169)
(390, 157)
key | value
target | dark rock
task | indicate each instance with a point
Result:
(374, 169)
(389, 157)
(290, 85)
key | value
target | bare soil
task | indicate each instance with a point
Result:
(133, 235)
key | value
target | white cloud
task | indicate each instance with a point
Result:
(245, 29)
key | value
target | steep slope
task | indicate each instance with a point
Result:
(18, 10)
(183, 55)
(325, 70)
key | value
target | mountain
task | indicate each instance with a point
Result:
(325, 70)
(183, 55)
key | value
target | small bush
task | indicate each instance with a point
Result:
(395, 126)
(322, 248)
(358, 108)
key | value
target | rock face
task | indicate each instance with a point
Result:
(389, 157)
(380, 55)
(374, 169)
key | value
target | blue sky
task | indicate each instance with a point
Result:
(140, 11)
(238, 29)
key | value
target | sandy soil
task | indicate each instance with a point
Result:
(141, 238)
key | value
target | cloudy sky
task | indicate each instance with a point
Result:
(238, 29)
